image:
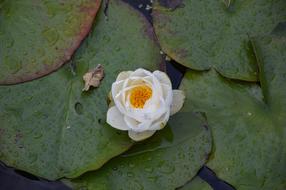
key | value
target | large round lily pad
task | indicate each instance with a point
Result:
(247, 122)
(216, 33)
(167, 160)
(37, 37)
(52, 129)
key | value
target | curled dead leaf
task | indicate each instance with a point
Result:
(93, 77)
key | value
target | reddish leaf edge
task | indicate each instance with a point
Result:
(48, 69)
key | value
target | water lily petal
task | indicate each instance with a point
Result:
(140, 136)
(157, 88)
(178, 101)
(155, 109)
(116, 88)
(161, 122)
(162, 77)
(152, 106)
(141, 73)
(131, 122)
(167, 93)
(142, 122)
(147, 80)
(135, 113)
(115, 92)
(166, 85)
(144, 126)
(123, 75)
(151, 111)
(137, 126)
(116, 119)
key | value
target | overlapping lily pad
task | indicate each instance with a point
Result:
(168, 160)
(247, 122)
(52, 129)
(37, 37)
(196, 184)
(216, 34)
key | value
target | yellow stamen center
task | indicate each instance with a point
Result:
(139, 95)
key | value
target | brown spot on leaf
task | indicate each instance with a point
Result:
(182, 53)
(93, 77)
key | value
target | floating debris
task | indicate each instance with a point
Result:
(93, 77)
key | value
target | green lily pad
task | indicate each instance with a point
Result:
(52, 129)
(247, 122)
(196, 184)
(216, 34)
(166, 161)
(37, 37)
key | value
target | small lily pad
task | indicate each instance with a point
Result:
(165, 161)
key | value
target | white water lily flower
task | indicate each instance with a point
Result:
(143, 102)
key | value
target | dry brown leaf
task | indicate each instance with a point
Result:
(93, 77)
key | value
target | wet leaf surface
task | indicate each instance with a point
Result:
(37, 37)
(196, 184)
(165, 161)
(49, 127)
(216, 34)
(247, 122)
